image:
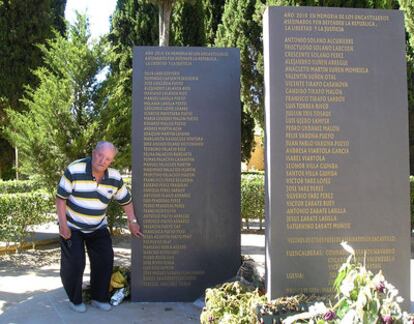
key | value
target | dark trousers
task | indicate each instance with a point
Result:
(72, 264)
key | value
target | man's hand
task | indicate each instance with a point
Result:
(133, 225)
(135, 229)
(65, 231)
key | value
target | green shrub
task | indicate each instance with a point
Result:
(18, 211)
(115, 213)
(14, 186)
(252, 197)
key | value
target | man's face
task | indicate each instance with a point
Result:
(102, 158)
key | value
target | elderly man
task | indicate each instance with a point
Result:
(83, 195)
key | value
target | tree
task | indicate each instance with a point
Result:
(187, 24)
(22, 25)
(58, 10)
(213, 11)
(61, 121)
(164, 15)
(165, 9)
(238, 29)
(408, 8)
(247, 135)
(134, 23)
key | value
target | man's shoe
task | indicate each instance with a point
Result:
(101, 306)
(79, 308)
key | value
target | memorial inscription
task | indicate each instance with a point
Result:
(167, 158)
(329, 98)
(174, 140)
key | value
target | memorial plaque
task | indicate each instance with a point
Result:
(337, 146)
(186, 170)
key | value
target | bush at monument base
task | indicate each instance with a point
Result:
(232, 302)
(362, 297)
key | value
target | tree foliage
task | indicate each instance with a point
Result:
(240, 30)
(247, 134)
(213, 11)
(187, 24)
(23, 24)
(134, 23)
(61, 121)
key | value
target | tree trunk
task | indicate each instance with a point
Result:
(164, 15)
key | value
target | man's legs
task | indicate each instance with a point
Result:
(101, 256)
(72, 265)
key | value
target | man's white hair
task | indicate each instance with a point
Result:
(105, 144)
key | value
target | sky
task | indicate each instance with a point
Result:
(98, 12)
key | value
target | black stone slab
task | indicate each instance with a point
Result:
(337, 146)
(186, 170)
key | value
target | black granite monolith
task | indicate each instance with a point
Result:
(186, 170)
(337, 146)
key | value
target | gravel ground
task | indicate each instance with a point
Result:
(30, 260)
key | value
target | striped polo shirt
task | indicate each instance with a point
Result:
(86, 199)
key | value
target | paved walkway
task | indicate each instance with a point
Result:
(38, 297)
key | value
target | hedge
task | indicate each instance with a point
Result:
(15, 186)
(252, 197)
(115, 216)
(18, 211)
